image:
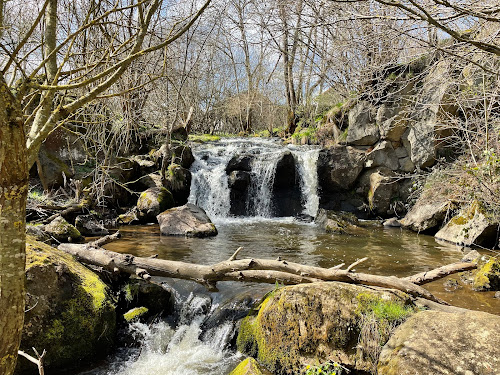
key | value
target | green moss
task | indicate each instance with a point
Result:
(135, 314)
(249, 366)
(203, 138)
(383, 310)
(488, 277)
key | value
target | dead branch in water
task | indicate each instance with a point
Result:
(251, 270)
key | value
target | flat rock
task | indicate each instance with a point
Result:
(433, 342)
(188, 220)
(426, 214)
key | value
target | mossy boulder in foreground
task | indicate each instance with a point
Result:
(434, 342)
(69, 310)
(488, 276)
(304, 325)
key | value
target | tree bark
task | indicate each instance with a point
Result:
(254, 270)
(13, 193)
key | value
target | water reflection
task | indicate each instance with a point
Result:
(391, 251)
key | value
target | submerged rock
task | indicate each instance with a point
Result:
(470, 227)
(337, 222)
(433, 342)
(300, 325)
(153, 201)
(188, 220)
(249, 366)
(62, 231)
(69, 309)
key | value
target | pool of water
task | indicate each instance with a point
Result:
(185, 349)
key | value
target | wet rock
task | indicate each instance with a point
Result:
(488, 276)
(383, 155)
(188, 220)
(153, 201)
(338, 168)
(239, 163)
(239, 180)
(69, 309)
(87, 225)
(62, 231)
(336, 222)
(433, 342)
(138, 292)
(286, 188)
(393, 222)
(470, 227)
(302, 324)
(427, 214)
(363, 130)
(249, 366)
(178, 182)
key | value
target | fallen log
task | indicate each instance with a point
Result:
(233, 269)
(438, 273)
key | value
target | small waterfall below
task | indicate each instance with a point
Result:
(244, 177)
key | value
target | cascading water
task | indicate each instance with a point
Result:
(211, 186)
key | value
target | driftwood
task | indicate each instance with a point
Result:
(252, 270)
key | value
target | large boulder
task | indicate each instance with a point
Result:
(69, 311)
(471, 226)
(433, 342)
(53, 170)
(382, 193)
(488, 276)
(427, 214)
(383, 155)
(339, 167)
(153, 201)
(306, 324)
(182, 155)
(62, 231)
(188, 220)
(239, 163)
(363, 129)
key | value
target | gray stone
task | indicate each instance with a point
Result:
(363, 130)
(55, 171)
(178, 182)
(433, 342)
(382, 155)
(182, 155)
(38, 232)
(339, 167)
(470, 227)
(471, 256)
(406, 165)
(393, 222)
(188, 220)
(87, 225)
(426, 214)
(383, 189)
(401, 152)
(153, 201)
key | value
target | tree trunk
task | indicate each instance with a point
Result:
(253, 270)
(13, 193)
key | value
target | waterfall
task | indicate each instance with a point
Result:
(262, 196)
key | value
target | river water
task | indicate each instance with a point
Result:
(188, 346)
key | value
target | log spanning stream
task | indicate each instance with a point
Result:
(198, 340)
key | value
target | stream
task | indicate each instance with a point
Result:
(199, 342)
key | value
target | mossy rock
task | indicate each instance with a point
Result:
(138, 292)
(63, 231)
(249, 366)
(337, 222)
(488, 276)
(301, 325)
(69, 309)
(136, 314)
(153, 201)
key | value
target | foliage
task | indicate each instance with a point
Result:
(328, 368)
